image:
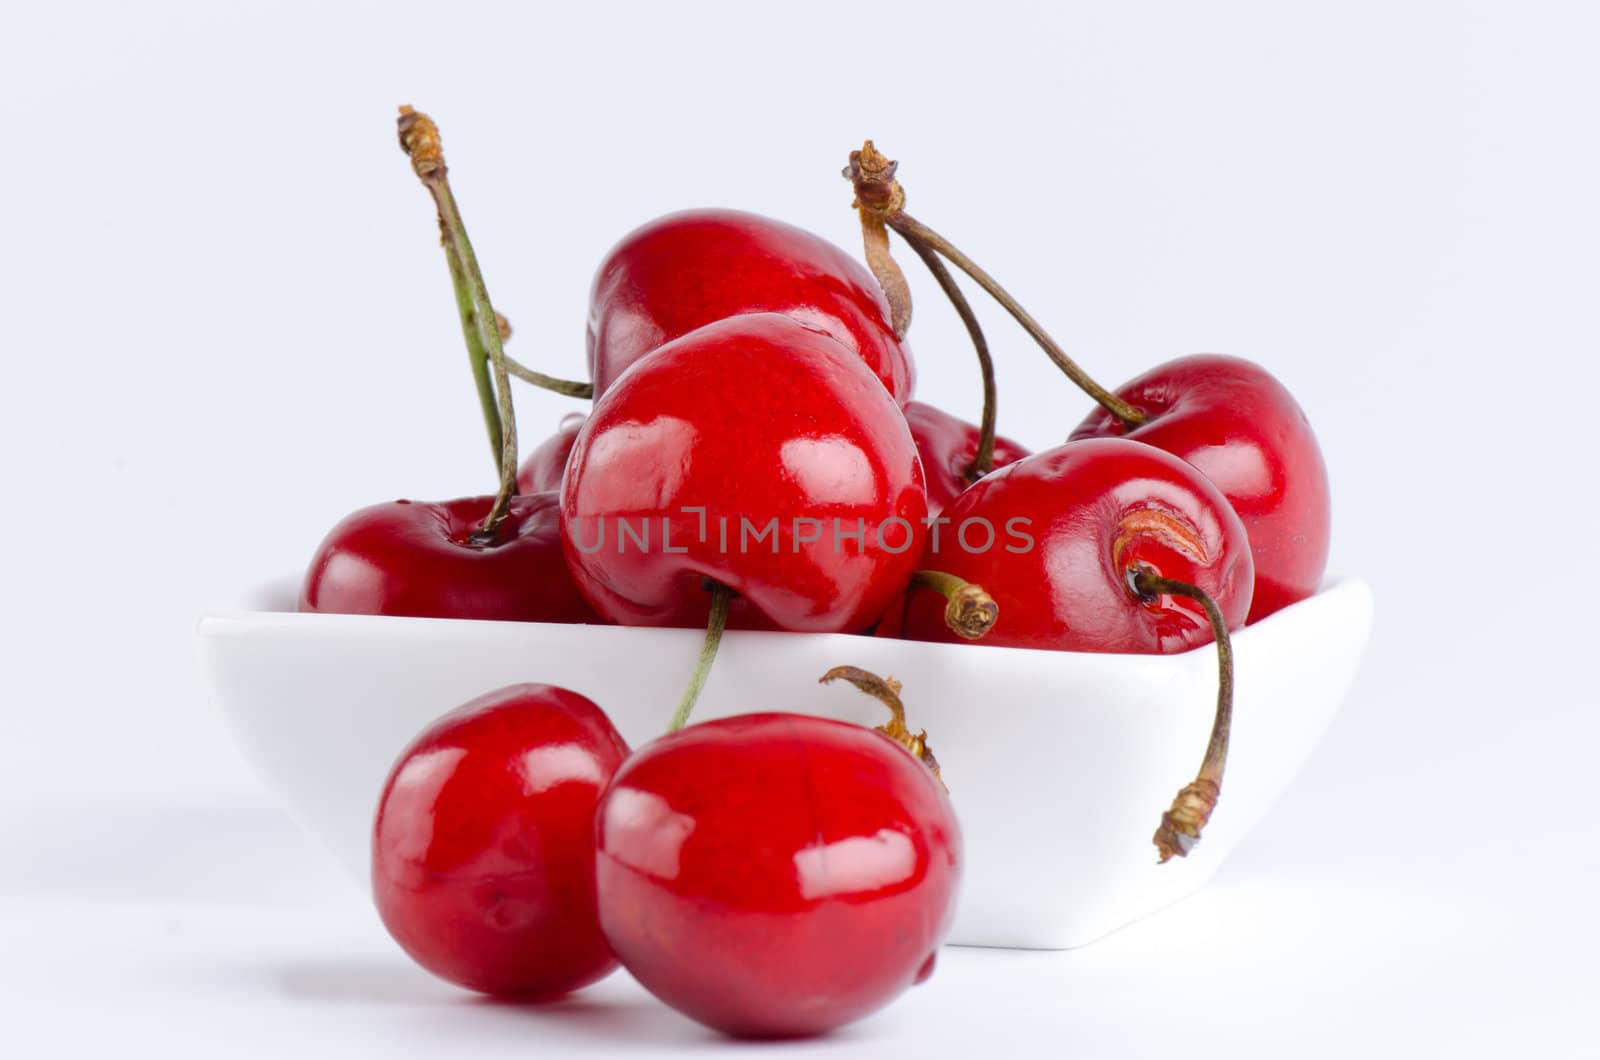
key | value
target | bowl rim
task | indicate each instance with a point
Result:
(249, 610)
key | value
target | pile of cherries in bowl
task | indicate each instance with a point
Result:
(753, 460)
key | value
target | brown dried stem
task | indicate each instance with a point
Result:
(983, 457)
(878, 192)
(1193, 806)
(887, 691)
(877, 195)
(969, 611)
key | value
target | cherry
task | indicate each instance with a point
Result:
(949, 447)
(479, 557)
(548, 461)
(1105, 545)
(1055, 535)
(686, 270)
(483, 848)
(428, 560)
(1244, 431)
(809, 509)
(777, 875)
(1228, 417)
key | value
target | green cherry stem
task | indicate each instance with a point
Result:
(477, 355)
(419, 138)
(878, 192)
(485, 330)
(721, 595)
(1193, 806)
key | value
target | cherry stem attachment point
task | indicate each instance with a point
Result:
(1193, 806)
(878, 192)
(970, 612)
(886, 690)
(419, 138)
(721, 595)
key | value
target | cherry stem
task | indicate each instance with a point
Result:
(715, 624)
(878, 192)
(878, 195)
(477, 354)
(419, 138)
(970, 612)
(983, 458)
(567, 387)
(1193, 806)
(886, 690)
(875, 245)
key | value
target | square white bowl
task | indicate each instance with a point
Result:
(1059, 763)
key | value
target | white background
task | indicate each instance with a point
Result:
(225, 322)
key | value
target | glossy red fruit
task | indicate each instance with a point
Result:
(1052, 538)
(776, 875)
(421, 559)
(483, 848)
(686, 270)
(756, 452)
(1240, 426)
(543, 469)
(948, 447)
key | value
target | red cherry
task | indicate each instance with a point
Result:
(686, 270)
(479, 557)
(776, 875)
(948, 447)
(483, 848)
(1054, 538)
(766, 425)
(1241, 427)
(544, 467)
(423, 559)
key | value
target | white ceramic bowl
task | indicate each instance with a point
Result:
(1060, 764)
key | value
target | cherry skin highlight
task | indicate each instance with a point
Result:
(776, 875)
(948, 447)
(686, 270)
(1245, 432)
(756, 453)
(543, 469)
(1068, 525)
(483, 847)
(422, 559)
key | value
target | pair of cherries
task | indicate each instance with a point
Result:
(716, 427)
(770, 875)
